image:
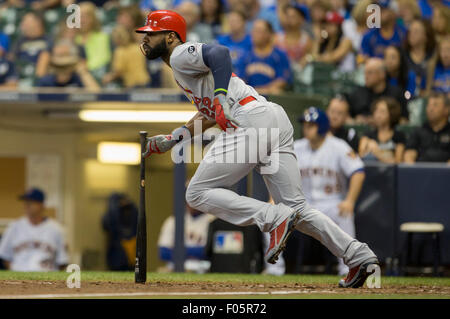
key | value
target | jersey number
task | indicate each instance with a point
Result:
(207, 108)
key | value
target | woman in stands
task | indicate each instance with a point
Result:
(332, 46)
(438, 79)
(384, 143)
(212, 15)
(31, 51)
(398, 73)
(95, 42)
(440, 21)
(419, 48)
(294, 40)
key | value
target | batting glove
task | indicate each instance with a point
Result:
(162, 143)
(223, 113)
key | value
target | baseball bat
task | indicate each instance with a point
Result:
(140, 270)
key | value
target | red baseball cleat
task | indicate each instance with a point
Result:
(358, 275)
(279, 236)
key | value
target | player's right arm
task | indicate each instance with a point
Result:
(206, 124)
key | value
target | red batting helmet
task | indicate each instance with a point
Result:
(165, 20)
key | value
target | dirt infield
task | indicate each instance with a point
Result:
(58, 289)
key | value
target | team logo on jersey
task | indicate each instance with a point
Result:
(191, 49)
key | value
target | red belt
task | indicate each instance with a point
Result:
(246, 100)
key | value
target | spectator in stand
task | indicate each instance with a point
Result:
(255, 11)
(128, 64)
(212, 15)
(431, 142)
(332, 46)
(95, 43)
(356, 26)
(376, 40)
(318, 12)
(34, 242)
(420, 47)
(195, 30)
(385, 143)
(438, 79)
(294, 40)
(441, 22)
(398, 73)
(266, 67)
(32, 47)
(131, 18)
(341, 7)
(8, 76)
(66, 69)
(376, 86)
(338, 112)
(238, 40)
(36, 5)
(280, 8)
(151, 5)
(408, 11)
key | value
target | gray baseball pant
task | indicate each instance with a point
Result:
(209, 190)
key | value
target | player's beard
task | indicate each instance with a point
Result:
(153, 53)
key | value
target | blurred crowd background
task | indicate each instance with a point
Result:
(272, 42)
(383, 80)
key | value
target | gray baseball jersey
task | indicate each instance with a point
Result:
(197, 82)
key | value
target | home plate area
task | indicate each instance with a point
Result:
(101, 289)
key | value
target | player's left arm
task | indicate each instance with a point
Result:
(352, 167)
(217, 58)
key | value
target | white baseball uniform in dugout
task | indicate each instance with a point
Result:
(325, 173)
(31, 247)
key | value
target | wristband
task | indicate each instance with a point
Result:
(220, 91)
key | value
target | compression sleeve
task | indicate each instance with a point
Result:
(217, 58)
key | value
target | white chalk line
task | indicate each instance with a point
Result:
(143, 294)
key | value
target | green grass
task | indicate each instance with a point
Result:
(226, 278)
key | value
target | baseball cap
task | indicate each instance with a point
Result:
(384, 3)
(302, 9)
(33, 194)
(334, 17)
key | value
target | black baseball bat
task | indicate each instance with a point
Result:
(140, 270)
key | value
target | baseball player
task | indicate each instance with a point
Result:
(203, 71)
(34, 242)
(332, 174)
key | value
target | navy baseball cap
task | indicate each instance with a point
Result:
(302, 9)
(33, 194)
(385, 4)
